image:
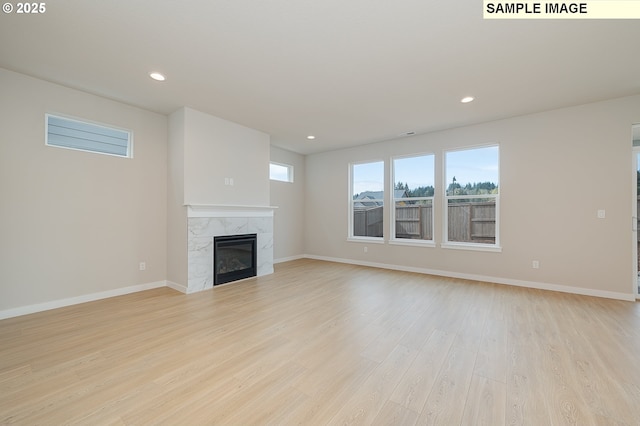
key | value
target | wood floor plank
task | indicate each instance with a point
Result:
(416, 384)
(396, 415)
(14, 373)
(445, 403)
(485, 405)
(526, 387)
(492, 353)
(472, 328)
(326, 343)
(332, 393)
(245, 400)
(365, 404)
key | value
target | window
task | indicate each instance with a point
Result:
(73, 134)
(472, 196)
(413, 188)
(280, 172)
(367, 200)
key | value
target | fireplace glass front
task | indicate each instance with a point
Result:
(234, 258)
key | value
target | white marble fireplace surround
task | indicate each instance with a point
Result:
(204, 222)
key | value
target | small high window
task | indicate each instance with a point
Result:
(79, 135)
(280, 172)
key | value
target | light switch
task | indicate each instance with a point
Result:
(601, 214)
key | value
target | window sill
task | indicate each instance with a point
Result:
(409, 242)
(368, 240)
(472, 246)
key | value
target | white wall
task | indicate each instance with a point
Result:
(74, 223)
(557, 169)
(215, 149)
(176, 210)
(289, 198)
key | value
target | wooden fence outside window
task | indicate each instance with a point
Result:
(468, 222)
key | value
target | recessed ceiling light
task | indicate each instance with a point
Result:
(467, 99)
(157, 76)
(311, 137)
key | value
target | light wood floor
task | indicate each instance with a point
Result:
(322, 343)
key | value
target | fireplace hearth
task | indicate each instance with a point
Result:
(234, 258)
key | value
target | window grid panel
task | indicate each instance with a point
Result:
(74, 134)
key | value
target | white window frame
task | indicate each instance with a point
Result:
(351, 201)
(392, 236)
(289, 168)
(464, 245)
(129, 133)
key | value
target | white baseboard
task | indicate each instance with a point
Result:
(288, 259)
(496, 280)
(178, 287)
(30, 309)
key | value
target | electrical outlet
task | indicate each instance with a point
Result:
(535, 264)
(143, 266)
(602, 214)
(366, 249)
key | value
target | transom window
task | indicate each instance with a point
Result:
(280, 172)
(69, 133)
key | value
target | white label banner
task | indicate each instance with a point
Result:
(587, 9)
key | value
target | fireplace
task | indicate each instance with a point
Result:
(205, 222)
(234, 258)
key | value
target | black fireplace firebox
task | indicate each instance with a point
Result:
(234, 258)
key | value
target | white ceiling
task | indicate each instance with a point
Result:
(347, 71)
